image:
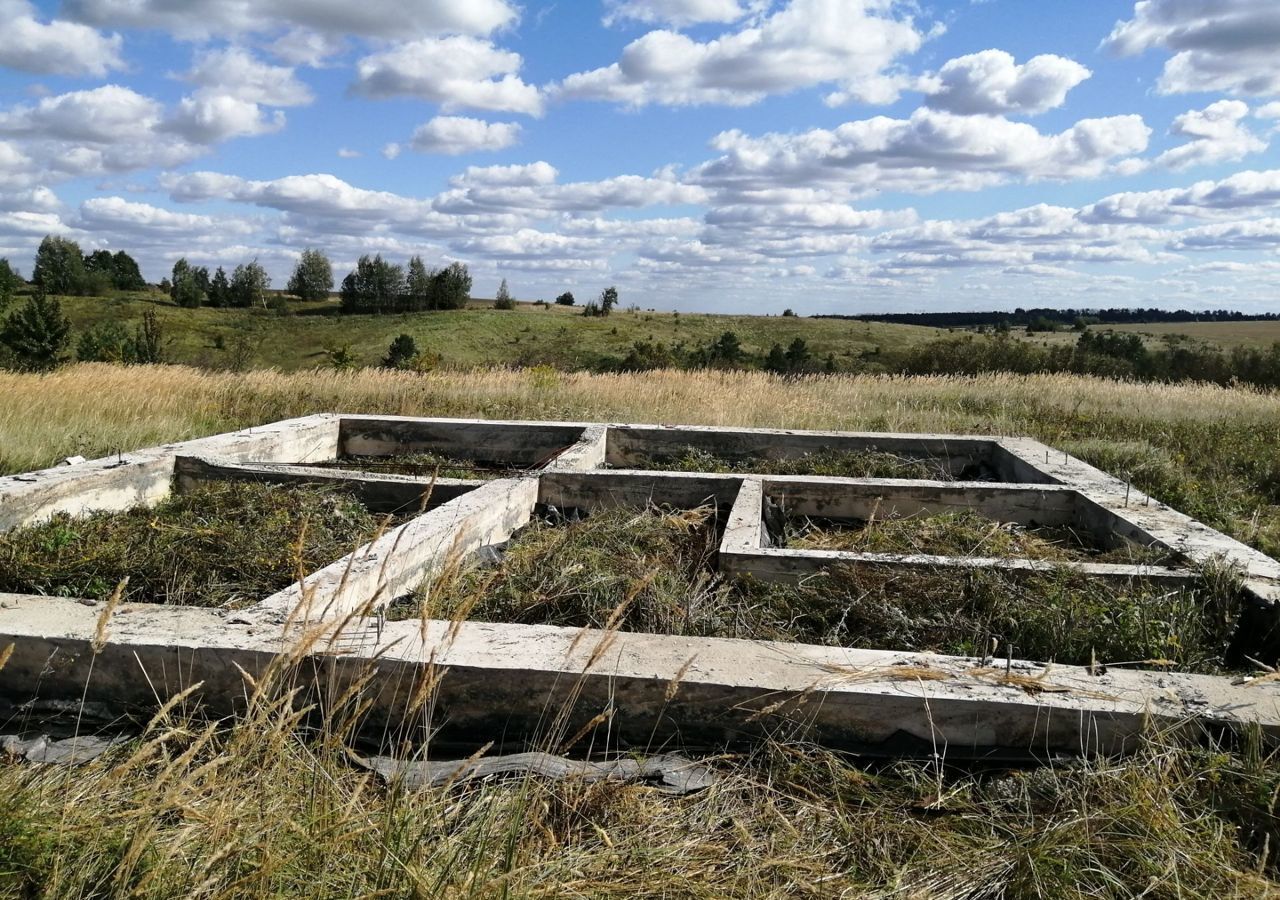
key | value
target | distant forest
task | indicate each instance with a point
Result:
(1062, 317)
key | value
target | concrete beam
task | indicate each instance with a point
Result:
(590, 490)
(399, 561)
(957, 455)
(789, 566)
(381, 493)
(144, 477)
(507, 681)
(525, 445)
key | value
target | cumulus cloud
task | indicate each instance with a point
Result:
(932, 150)
(525, 175)
(991, 82)
(1231, 196)
(456, 72)
(117, 215)
(367, 18)
(305, 47)
(454, 135)
(103, 115)
(674, 12)
(56, 47)
(1256, 234)
(209, 120)
(1216, 133)
(851, 44)
(1223, 45)
(235, 72)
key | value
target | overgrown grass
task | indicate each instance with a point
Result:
(652, 570)
(832, 463)
(965, 534)
(262, 807)
(425, 464)
(217, 545)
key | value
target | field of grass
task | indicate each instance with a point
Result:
(1261, 334)
(263, 807)
(481, 336)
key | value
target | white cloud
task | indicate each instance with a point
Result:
(209, 120)
(1255, 234)
(674, 12)
(56, 47)
(367, 18)
(931, 151)
(991, 82)
(106, 114)
(455, 135)
(527, 175)
(305, 47)
(851, 44)
(1217, 45)
(234, 72)
(116, 215)
(1230, 196)
(1217, 134)
(348, 153)
(456, 72)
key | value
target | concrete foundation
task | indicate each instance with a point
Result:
(507, 680)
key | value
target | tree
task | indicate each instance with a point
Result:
(565, 299)
(185, 288)
(401, 354)
(788, 313)
(374, 286)
(249, 285)
(125, 274)
(312, 277)
(37, 333)
(776, 361)
(608, 300)
(503, 299)
(452, 287)
(220, 289)
(798, 355)
(59, 267)
(9, 281)
(419, 286)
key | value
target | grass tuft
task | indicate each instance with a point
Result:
(217, 545)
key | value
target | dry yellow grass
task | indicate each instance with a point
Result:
(98, 409)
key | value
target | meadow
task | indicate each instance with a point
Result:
(270, 804)
(478, 336)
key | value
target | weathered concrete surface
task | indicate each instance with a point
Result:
(400, 560)
(957, 455)
(839, 498)
(510, 681)
(526, 445)
(144, 476)
(589, 490)
(381, 493)
(788, 566)
(1136, 512)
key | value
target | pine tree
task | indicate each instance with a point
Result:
(37, 333)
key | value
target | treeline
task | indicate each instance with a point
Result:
(1105, 354)
(724, 352)
(61, 267)
(1062, 318)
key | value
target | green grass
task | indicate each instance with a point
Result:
(422, 464)
(226, 545)
(652, 570)
(832, 463)
(527, 335)
(1259, 334)
(965, 534)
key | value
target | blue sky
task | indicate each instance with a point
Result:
(833, 156)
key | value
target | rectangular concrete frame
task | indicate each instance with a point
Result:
(504, 678)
